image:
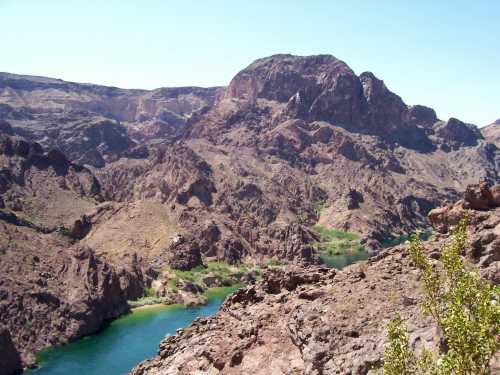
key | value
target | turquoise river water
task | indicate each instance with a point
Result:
(125, 342)
(135, 337)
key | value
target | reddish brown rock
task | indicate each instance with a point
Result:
(479, 197)
(10, 360)
(184, 254)
(315, 320)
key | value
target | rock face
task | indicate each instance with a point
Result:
(95, 124)
(320, 321)
(482, 202)
(240, 173)
(52, 289)
(253, 161)
(10, 361)
(492, 132)
(44, 187)
(184, 254)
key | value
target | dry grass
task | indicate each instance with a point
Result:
(143, 226)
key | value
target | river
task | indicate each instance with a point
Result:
(125, 341)
(135, 337)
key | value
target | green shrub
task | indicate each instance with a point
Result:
(331, 234)
(464, 306)
(149, 292)
(320, 207)
(64, 231)
(337, 242)
(273, 262)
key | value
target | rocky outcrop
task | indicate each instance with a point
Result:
(297, 244)
(184, 254)
(256, 159)
(482, 204)
(477, 198)
(311, 120)
(300, 321)
(51, 291)
(316, 320)
(240, 174)
(99, 122)
(44, 187)
(10, 360)
(52, 288)
(455, 133)
(492, 132)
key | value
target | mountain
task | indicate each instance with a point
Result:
(492, 132)
(93, 124)
(52, 288)
(292, 141)
(108, 191)
(322, 321)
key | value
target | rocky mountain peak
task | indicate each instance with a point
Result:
(280, 77)
(324, 88)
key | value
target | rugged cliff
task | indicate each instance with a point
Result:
(52, 289)
(95, 124)
(492, 132)
(295, 141)
(129, 184)
(322, 321)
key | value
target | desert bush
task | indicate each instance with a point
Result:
(465, 308)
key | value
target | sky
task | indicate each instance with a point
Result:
(444, 54)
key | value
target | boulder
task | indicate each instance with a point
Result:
(495, 195)
(81, 227)
(480, 197)
(184, 255)
(457, 133)
(57, 157)
(10, 360)
(211, 280)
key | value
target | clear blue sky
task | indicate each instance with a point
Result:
(445, 54)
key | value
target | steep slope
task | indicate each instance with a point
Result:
(299, 140)
(492, 132)
(293, 141)
(43, 187)
(348, 134)
(52, 289)
(177, 176)
(322, 321)
(94, 124)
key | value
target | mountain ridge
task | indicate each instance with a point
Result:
(241, 174)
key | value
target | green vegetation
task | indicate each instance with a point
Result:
(149, 292)
(273, 262)
(222, 291)
(225, 277)
(394, 241)
(226, 274)
(150, 298)
(64, 231)
(464, 306)
(144, 301)
(336, 242)
(320, 207)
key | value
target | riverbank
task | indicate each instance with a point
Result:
(191, 287)
(211, 293)
(127, 340)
